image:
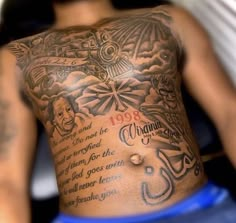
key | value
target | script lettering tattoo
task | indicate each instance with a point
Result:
(126, 72)
(157, 198)
(178, 163)
(80, 164)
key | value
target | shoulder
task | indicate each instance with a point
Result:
(7, 58)
(175, 11)
(185, 25)
(162, 9)
(26, 42)
(183, 21)
(179, 15)
(20, 50)
(15, 55)
(167, 14)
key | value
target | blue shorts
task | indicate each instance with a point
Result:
(207, 196)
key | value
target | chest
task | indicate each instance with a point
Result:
(121, 55)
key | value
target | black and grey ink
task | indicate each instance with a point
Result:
(8, 131)
(155, 198)
(115, 96)
(111, 52)
(178, 160)
(149, 170)
(120, 64)
(65, 115)
(176, 164)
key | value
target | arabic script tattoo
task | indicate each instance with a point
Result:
(127, 66)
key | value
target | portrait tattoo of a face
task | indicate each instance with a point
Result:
(62, 114)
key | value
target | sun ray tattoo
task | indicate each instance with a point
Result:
(123, 66)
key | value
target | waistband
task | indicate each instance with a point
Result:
(207, 196)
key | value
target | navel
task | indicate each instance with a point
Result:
(136, 159)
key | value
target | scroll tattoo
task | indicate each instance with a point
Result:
(76, 74)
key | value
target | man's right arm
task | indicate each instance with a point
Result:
(17, 143)
(206, 79)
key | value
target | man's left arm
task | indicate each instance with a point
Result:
(207, 80)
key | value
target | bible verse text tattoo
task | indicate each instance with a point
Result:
(125, 71)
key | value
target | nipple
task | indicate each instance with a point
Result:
(136, 159)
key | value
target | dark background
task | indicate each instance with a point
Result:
(22, 18)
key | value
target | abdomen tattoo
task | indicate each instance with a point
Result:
(125, 71)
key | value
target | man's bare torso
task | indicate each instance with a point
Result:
(110, 100)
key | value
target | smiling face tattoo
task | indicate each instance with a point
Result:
(64, 116)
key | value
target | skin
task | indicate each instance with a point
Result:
(63, 116)
(114, 76)
(136, 146)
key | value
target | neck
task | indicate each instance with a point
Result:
(82, 12)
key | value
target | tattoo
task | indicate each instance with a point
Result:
(127, 68)
(65, 114)
(177, 163)
(79, 164)
(110, 54)
(157, 198)
(149, 170)
(177, 160)
(7, 129)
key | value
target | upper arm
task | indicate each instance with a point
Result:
(203, 73)
(17, 126)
